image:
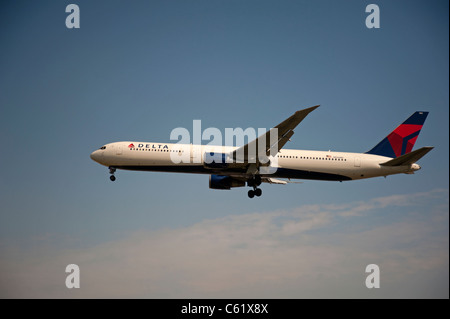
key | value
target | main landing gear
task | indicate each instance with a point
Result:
(254, 182)
(254, 192)
(112, 170)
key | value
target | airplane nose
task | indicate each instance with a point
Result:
(95, 155)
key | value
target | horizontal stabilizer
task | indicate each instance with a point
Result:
(409, 158)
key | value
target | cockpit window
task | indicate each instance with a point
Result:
(103, 147)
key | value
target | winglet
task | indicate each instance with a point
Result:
(295, 119)
(286, 128)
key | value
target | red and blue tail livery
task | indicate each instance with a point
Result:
(402, 139)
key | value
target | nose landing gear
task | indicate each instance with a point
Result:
(112, 170)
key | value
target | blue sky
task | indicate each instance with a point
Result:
(136, 70)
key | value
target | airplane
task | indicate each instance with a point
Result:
(230, 166)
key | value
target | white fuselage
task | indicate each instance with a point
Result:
(289, 163)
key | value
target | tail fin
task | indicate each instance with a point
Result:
(402, 139)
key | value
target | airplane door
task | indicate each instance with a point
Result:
(357, 162)
(119, 150)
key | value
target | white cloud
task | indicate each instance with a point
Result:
(310, 251)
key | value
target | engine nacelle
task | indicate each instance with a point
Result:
(224, 182)
(215, 160)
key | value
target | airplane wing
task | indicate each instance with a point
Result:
(409, 158)
(285, 131)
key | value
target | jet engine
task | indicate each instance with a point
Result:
(224, 182)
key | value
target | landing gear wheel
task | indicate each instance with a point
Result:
(251, 193)
(112, 170)
(258, 192)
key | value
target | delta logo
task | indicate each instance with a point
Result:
(141, 145)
